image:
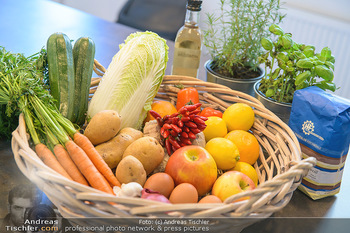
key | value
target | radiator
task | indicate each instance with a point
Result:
(322, 31)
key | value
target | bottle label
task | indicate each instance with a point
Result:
(186, 58)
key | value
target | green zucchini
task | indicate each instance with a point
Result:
(83, 54)
(61, 72)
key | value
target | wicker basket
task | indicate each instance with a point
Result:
(280, 169)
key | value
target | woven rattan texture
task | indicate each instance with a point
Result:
(280, 167)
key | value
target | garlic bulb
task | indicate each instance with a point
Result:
(131, 189)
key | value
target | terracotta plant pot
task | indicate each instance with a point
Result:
(243, 85)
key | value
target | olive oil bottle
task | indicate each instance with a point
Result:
(188, 43)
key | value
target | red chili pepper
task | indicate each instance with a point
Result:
(186, 141)
(166, 117)
(200, 124)
(192, 135)
(193, 107)
(195, 112)
(185, 129)
(166, 133)
(174, 120)
(174, 142)
(174, 114)
(180, 124)
(199, 121)
(160, 121)
(191, 124)
(202, 127)
(195, 130)
(184, 134)
(176, 129)
(182, 110)
(167, 126)
(192, 117)
(185, 118)
(168, 121)
(203, 118)
(182, 144)
(154, 114)
(168, 146)
(162, 130)
(173, 133)
(187, 113)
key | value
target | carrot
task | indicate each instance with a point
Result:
(83, 142)
(87, 168)
(67, 163)
(46, 155)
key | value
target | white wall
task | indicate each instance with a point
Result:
(338, 9)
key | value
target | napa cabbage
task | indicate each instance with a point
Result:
(132, 79)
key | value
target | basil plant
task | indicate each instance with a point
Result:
(291, 66)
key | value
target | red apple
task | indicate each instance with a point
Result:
(230, 183)
(194, 165)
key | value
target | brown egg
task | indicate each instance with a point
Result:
(160, 182)
(210, 199)
(184, 193)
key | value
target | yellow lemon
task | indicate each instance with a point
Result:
(247, 145)
(247, 169)
(224, 152)
(216, 127)
(239, 116)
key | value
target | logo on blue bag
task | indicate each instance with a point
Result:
(308, 129)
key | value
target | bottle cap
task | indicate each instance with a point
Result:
(194, 5)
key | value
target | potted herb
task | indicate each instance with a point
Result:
(233, 40)
(290, 66)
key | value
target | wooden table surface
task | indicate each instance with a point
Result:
(25, 27)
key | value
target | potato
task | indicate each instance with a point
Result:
(130, 169)
(148, 151)
(134, 133)
(113, 150)
(103, 126)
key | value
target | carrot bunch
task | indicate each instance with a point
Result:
(58, 144)
(72, 155)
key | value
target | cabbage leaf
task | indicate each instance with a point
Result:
(132, 79)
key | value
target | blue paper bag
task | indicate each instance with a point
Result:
(321, 122)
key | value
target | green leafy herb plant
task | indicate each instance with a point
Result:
(233, 35)
(291, 66)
